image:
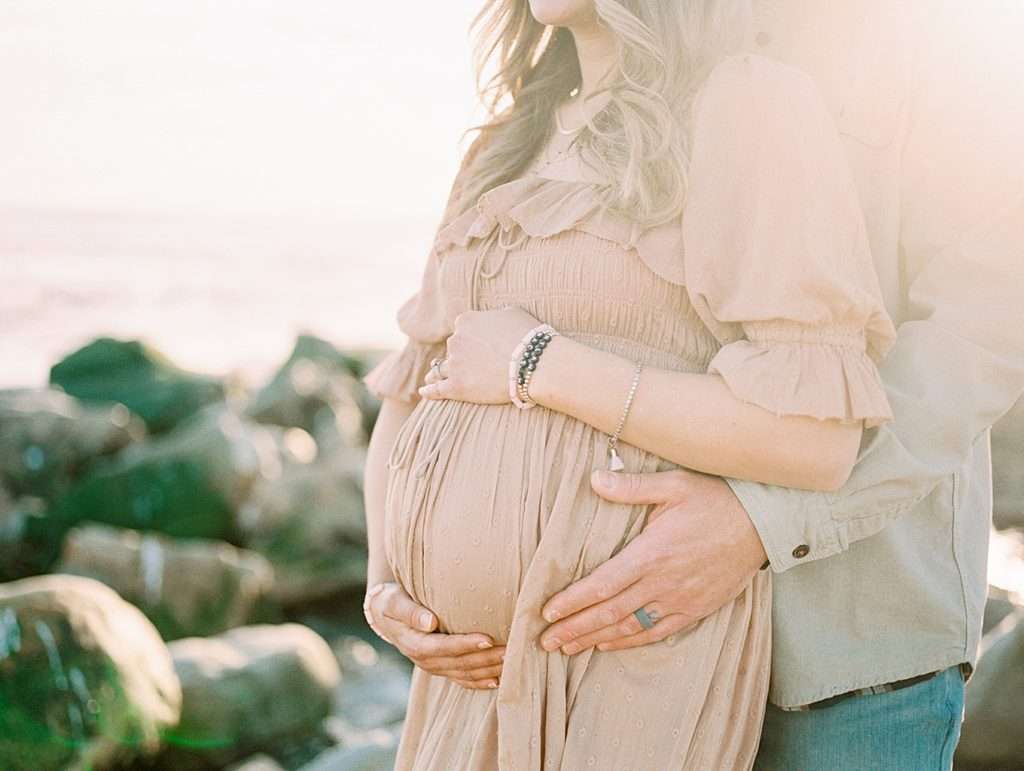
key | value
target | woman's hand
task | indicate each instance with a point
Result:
(476, 368)
(471, 660)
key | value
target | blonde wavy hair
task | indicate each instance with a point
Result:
(640, 140)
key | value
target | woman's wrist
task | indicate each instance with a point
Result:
(582, 381)
(378, 573)
(545, 382)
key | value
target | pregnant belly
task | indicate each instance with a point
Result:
(472, 491)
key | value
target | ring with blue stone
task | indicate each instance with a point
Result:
(647, 620)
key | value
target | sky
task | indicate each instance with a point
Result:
(317, 107)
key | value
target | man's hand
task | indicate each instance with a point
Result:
(471, 660)
(698, 551)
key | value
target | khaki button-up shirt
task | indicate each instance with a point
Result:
(886, 578)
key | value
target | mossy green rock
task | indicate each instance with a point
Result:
(185, 586)
(135, 374)
(310, 523)
(317, 389)
(991, 737)
(246, 690)
(85, 680)
(187, 483)
(47, 438)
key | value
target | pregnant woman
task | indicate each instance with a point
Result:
(678, 216)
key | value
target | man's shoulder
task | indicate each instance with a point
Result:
(745, 81)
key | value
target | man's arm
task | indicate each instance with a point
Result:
(958, 363)
(957, 366)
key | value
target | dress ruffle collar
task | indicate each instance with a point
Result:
(541, 207)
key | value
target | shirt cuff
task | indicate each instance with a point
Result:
(795, 526)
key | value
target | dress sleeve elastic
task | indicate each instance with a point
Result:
(776, 252)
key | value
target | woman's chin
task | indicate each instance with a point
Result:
(562, 13)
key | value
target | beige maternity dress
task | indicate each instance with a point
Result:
(766, 280)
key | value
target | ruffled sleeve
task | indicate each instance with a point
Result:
(423, 319)
(776, 252)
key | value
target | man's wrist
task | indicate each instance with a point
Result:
(794, 526)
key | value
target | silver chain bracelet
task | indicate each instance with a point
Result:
(614, 461)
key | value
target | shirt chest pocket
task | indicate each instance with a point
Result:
(872, 102)
(872, 109)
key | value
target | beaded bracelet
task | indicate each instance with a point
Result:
(524, 361)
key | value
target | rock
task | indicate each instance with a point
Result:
(186, 587)
(366, 757)
(1006, 560)
(991, 737)
(310, 523)
(27, 544)
(138, 376)
(317, 389)
(376, 690)
(187, 483)
(258, 762)
(48, 438)
(1006, 576)
(1008, 468)
(1000, 604)
(85, 680)
(247, 689)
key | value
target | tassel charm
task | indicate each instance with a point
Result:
(614, 461)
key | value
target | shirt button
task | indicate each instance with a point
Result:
(763, 38)
(801, 551)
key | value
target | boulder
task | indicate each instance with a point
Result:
(187, 483)
(317, 389)
(366, 757)
(48, 438)
(1000, 604)
(27, 544)
(85, 680)
(991, 737)
(1006, 560)
(1008, 468)
(258, 762)
(376, 690)
(135, 374)
(367, 719)
(186, 587)
(248, 689)
(310, 523)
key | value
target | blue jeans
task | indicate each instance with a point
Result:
(911, 729)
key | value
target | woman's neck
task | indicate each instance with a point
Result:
(595, 48)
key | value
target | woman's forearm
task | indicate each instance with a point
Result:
(393, 414)
(694, 420)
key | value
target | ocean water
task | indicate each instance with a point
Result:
(215, 177)
(215, 293)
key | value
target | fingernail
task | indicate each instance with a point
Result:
(604, 478)
(492, 684)
(570, 648)
(425, 619)
(551, 615)
(602, 646)
(552, 644)
(502, 656)
(484, 645)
